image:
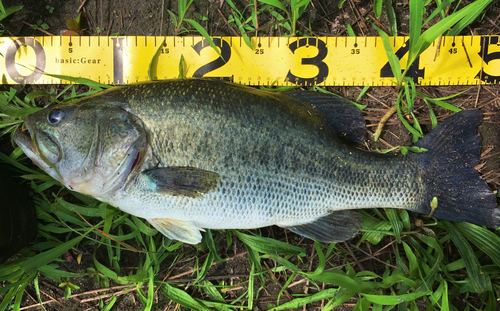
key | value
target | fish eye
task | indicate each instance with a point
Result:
(55, 116)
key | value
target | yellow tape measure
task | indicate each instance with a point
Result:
(332, 61)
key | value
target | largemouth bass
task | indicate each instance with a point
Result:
(192, 154)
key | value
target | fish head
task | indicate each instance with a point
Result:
(91, 148)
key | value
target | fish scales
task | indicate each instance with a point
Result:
(191, 154)
(292, 171)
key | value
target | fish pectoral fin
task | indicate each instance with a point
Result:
(183, 180)
(180, 230)
(334, 227)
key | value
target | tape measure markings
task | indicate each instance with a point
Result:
(346, 61)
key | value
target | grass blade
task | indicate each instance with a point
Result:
(416, 15)
(269, 246)
(391, 16)
(479, 281)
(391, 56)
(298, 302)
(393, 300)
(182, 298)
(485, 240)
(205, 34)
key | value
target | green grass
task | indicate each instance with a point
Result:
(420, 269)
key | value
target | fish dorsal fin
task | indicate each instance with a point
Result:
(331, 228)
(183, 180)
(180, 230)
(343, 118)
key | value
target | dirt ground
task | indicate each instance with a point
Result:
(132, 17)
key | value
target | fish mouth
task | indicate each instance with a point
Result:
(25, 140)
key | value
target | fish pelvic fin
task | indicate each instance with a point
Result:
(455, 190)
(180, 230)
(335, 227)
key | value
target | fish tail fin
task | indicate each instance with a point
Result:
(461, 193)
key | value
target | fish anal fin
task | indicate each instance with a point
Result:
(183, 180)
(180, 230)
(334, 227)
(341, 115)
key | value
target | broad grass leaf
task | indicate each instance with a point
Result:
(151, 290)
(212, 292)
(105, 270)
(398, 277)
(431, 34)
(20, 294)
(9, 11)
(209, 241)
(298, 302)
(362, 305)
(269, 246)
(241, 27)
(376, 232)
(479, 281)
(34, 95)
(204, 269)
(445, 105)
(12, 291)
(110, 304)
(84, 211)
(6, 159)
(147, 230)
(350, 31)
(51, 272)
(342, 280)
(342, 296)
(276, 4)
(363, 91)
(412, 259)
(445, 304)
(205, 34)
(321, 259)
(182, 298)
(10, 270)
(396, 223)
(251, 286)
(416, 15)
(391, 56)
(282, 261)
(393, 300)
(391, 16)
(432, 115)
(472, 13)
(485, 240)
(377, 7)
(34, 263)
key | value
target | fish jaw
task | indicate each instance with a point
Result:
(24, 140)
